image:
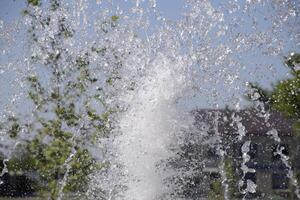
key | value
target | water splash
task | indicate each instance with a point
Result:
(148, 125)
(250, 185)
(221, 153)
(163, 71)
(4, 170)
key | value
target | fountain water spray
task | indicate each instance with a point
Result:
(152, 75)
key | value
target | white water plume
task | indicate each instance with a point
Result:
(148, 127)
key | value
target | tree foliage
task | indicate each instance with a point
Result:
(65, 122)
(285, 96)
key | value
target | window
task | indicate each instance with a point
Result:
(212, 152)
(253, 150)
(277, 148)
(215, 175)
(280, 181)
(250, 176)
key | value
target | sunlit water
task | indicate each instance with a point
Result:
(170, 67)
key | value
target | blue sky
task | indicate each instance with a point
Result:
(10, 10)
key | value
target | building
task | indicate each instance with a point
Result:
(226, 131)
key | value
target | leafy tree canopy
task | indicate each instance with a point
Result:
(285, 96)
(64, 121)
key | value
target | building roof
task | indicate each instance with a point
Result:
(254, 122)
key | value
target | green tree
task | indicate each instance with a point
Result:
(285, 96)
(64, 121)
(216, 190)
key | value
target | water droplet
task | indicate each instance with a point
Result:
(1, 24)
(153, 3)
